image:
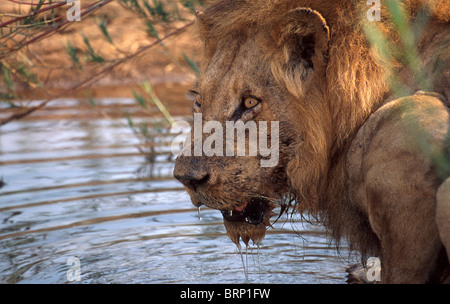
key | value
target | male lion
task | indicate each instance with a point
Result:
(366, 163)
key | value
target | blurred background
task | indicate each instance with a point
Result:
(86, 187)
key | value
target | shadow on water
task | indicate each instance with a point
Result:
(75, 185)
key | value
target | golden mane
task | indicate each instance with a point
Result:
(354, 85)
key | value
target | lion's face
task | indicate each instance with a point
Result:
(239, 86)
(234, 88)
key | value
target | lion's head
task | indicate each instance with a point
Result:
(276, 61)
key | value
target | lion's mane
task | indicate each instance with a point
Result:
(354, 86)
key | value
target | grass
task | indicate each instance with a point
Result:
(36, 20)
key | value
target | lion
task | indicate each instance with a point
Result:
(361, 159)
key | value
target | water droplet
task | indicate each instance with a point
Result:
(199, 215)
(259, 263)
(244, 263)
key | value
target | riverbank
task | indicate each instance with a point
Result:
(56, 72)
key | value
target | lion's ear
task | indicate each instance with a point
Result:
(203, 29)
(203, 26)
(302, 44)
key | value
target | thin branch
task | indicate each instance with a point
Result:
(139, 52)
(30, 3)
(35, 24)
(55, 29)
(94, 78)
(58, 4)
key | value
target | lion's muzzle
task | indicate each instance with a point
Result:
(191, 172)
(246, 215)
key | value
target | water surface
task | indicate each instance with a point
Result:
(76, 185)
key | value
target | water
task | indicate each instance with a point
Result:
(77, 187)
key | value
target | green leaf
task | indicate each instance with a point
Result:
(5, 97)
(140, 99)
(151, 30)
(129, 120)
(149, 89)
(192, 64)
(190, 4)
(150, 9)
(72, 51)
(143, 129)
(87, 43)
(93, 56)
(104, 28)
(160, 11)
(8, 78)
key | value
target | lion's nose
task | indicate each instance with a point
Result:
(190, 172)
(192, 181)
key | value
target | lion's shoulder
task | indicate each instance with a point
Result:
(412, 127)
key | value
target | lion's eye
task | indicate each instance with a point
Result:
(248, 108)
(198, 101)
(250, 102)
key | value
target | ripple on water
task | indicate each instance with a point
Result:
(75, 188)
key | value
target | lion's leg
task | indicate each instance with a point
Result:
(402, 215)
(393, 178)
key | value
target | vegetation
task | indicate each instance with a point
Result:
(406, 53)
(32, 21)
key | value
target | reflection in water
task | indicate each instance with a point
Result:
(78, 187)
